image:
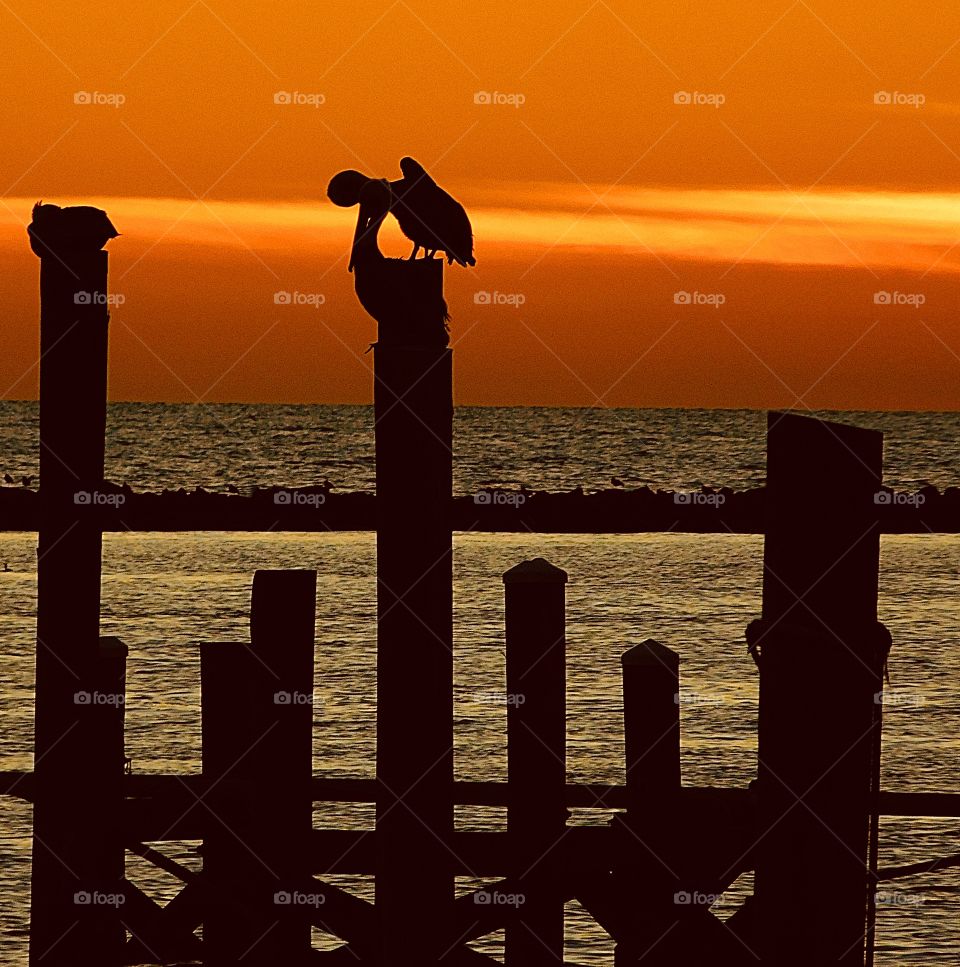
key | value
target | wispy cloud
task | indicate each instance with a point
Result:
(907, 231)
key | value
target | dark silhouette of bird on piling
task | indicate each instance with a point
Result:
(403, 299)
(77, 227)
(431, 218)
(8, 479)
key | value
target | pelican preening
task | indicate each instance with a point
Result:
(432, 219)
(409, 309)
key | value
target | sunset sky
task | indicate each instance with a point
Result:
(674, 204)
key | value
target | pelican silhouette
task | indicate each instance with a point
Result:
(61, 229)
(431, 218)
(393, 291)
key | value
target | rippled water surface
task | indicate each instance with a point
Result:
(165, 593)
(154, 445)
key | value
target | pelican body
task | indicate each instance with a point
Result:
(406, 298)
(431, 218)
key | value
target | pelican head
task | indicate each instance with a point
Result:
(345, 187)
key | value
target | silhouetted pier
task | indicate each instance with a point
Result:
(807, 826)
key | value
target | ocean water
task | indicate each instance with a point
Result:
(165, 593)
(157, 445)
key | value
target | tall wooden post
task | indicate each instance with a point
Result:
(821, 655)
(536, 757)
(413, 404)
(68, 804)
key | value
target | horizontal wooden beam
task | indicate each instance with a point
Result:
(169, 791)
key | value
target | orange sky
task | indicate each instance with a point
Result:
(783, 211)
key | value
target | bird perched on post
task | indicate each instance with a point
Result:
(75, 228)
(431, 218)
(406, 299)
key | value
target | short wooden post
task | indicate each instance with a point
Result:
(239, 906)
(413, 403)
(651, 726)
(536, 756)
(73, 380)
(651, 729)
(282, 622)
(821, 654)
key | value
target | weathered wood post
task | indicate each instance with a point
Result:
(536, 757)
(108, 707)
(257, 732)
(413, 406)
(238, 913)
(821, 653)
(282, 623)
(651, 731)
(651, 727)
(69, 806)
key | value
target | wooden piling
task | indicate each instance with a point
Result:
(108, 710)
(236, 876)
(821, 654)
(651, 730)
(536, 754)
(73, 380)
(282, 622)
(651, 726)
(413, 405)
